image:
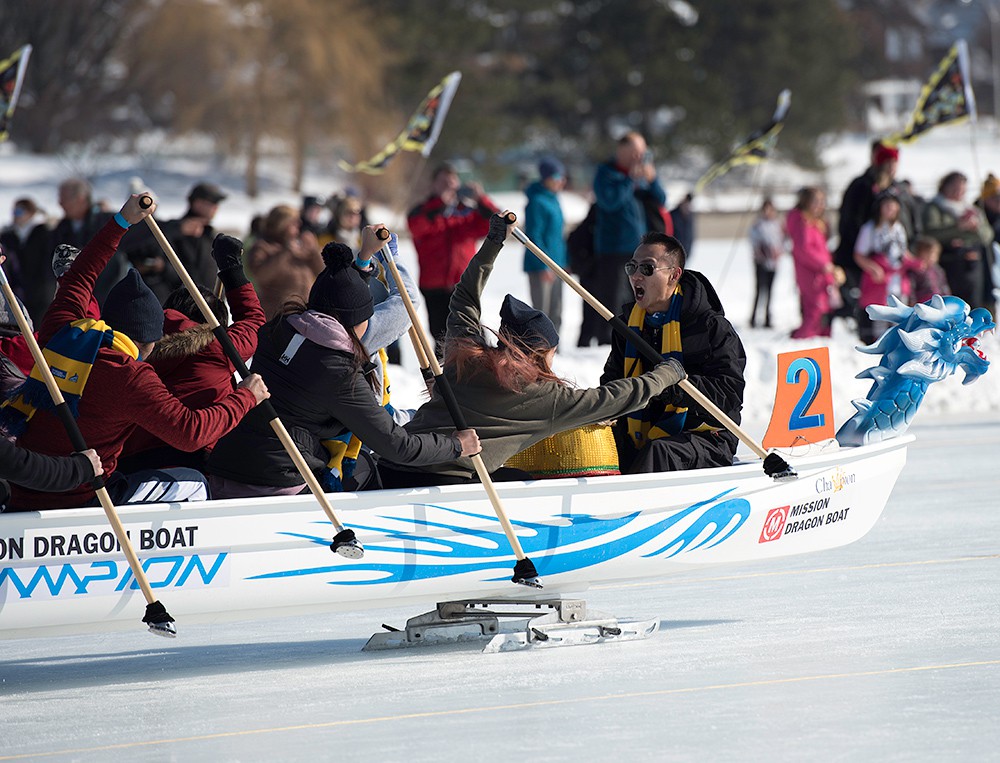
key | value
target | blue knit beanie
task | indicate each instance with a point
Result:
(550, 167)
(532, 327)
(133, 309)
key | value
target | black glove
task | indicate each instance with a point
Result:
(498, 230)
(227, 252)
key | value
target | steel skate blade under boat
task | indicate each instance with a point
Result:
(532, 623)
(544, 632)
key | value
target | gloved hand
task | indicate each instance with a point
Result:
(498, 229)
(227, 252)
(671, 370)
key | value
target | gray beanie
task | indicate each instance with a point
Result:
(7, 315)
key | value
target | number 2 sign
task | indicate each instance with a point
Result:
(803, 400)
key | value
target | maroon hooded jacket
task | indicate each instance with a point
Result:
(192, 364)
(121, 393)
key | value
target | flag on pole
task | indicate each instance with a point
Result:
(947, 97)
(755, 149)
(11, 77)
(421, 131)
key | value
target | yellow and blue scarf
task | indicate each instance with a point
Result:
(343, 450)
(641, 426)
(70, 354)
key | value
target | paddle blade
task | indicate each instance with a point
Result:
(525, 574)
(347, 545)
(159, 620)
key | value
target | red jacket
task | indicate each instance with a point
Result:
(121, 393)
(445, 243)
(191, 362)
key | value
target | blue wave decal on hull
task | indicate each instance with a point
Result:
(555, 539)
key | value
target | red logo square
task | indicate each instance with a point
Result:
(774, 524)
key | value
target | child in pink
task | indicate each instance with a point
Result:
(881, 253)
(813, 262)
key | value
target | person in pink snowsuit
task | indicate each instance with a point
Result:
(813, 262)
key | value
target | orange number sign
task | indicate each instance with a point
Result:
(803, 400)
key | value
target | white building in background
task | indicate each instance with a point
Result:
(889, 103)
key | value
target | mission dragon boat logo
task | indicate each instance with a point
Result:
(809, 514)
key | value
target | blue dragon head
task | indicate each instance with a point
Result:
(926, 343)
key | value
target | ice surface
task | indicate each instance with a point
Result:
(885, 649)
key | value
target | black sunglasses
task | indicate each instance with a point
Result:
(646, 268)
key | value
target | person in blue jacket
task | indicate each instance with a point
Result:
(619, 186)
(543, 224)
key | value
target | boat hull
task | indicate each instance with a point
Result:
(60, 571)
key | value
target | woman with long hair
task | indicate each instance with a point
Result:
(508, 391)
(813, 262)
(313, 355)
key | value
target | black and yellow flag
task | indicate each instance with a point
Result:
(421, 131)
(11, 77)
(947, 97)
(755, 149)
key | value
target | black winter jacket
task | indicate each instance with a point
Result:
(713, 356)
(318, 393)
(39, 472)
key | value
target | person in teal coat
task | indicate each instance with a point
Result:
(543, 224)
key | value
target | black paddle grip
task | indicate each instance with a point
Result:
(241, 367)
(145, 201)
(441, 382)
(510, 218)
(382, 234)
(645, 348)
(65, 416)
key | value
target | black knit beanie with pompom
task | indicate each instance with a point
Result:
(340, 290)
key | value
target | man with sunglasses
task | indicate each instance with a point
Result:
(679, 313)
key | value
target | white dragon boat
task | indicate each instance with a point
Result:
(62, 571)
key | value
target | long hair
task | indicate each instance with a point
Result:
(511, 364)
(295, 306)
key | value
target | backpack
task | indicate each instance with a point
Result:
(580, 242)
(658, 219)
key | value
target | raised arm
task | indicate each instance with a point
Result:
(76, 288)
(465, 309)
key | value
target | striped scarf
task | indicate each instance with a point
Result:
(343, 449)
(641, 426)
(70, 354)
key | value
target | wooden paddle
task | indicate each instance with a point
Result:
(157, 618)
(524, 569)
(774, 465)
(345, 542)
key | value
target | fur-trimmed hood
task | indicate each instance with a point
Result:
(182, 338)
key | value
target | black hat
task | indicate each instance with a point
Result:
(208, 191)
(531, 326)
(340, 290)
(133, 309)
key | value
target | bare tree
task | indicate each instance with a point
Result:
(72, 89)
(304, 72)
